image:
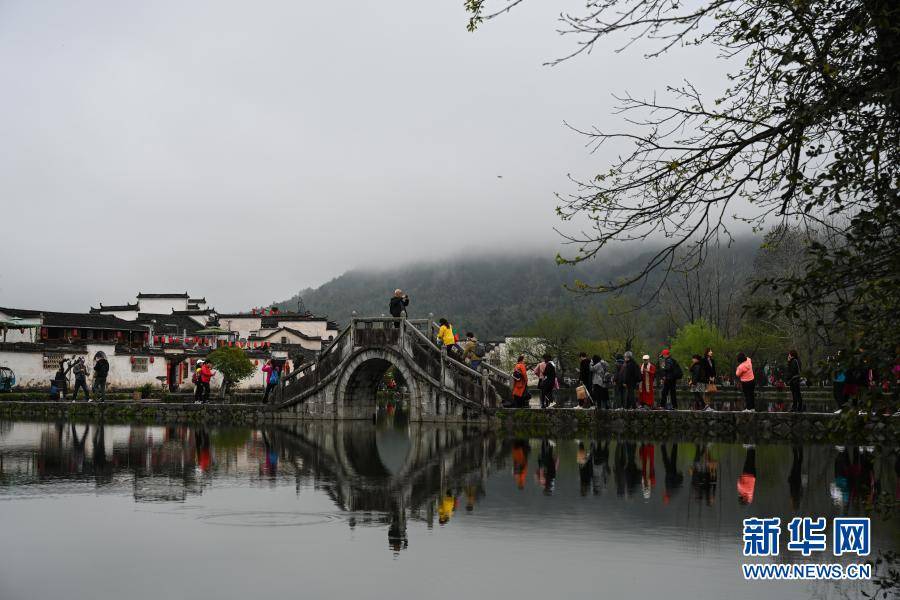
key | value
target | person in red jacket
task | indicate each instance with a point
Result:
(206, 374)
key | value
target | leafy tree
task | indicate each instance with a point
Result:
(694, 338)
(234, 365)
(806, 129)
(558, 335)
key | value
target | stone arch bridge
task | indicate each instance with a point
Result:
(343, 381)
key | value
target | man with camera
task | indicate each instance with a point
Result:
(398, 304)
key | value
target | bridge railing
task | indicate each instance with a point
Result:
(423, 352)
(308, 375)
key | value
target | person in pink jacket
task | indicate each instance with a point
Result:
(744, 373)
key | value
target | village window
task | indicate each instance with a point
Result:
(284, 339)
(52, 360)
(140, 364)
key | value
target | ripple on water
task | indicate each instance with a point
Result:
(267, 519)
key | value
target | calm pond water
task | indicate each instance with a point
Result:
(405, 511)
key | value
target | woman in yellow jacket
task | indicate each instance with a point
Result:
(445, 335)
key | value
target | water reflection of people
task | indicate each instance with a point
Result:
(102, 468)
(270, 466)
(840, 489)
(546, 471)
(704, 475)
(600, 462)
(795, 479)
(648, 469)
(446, 506)
(746, 483)
(585, 468)
(674, 478)
(78, 448)
(520, 450)
(397, 536)
(201, 441)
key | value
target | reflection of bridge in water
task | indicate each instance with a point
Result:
(393, 470)
(342, 382)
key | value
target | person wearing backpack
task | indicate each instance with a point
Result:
(273, 376)
(520, 383)
(600, 380)
(630, 376)
(206, 375)
(80, 372)
(101, 371)
(670, 372)
(471, 354)
(198, 385)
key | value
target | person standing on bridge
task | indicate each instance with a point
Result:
(471, 354)
(445, 335)
(398, 304)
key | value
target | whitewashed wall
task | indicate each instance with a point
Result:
(27, 335)
(162, 306)
(243, 325)
(30, 374)
(310, 328)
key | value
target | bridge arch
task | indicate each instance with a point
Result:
(354, 395)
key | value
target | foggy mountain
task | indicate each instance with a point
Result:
(491, 295)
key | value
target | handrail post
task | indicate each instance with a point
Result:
(484, 387)
(441, 398)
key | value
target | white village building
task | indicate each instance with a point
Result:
(156, 340)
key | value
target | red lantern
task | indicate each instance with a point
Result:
(151, 360)
(43, 332)
(255, 363)
(119, 335)
(133, 360)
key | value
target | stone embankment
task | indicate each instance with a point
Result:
(849, 427)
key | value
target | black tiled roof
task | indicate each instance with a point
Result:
(312, 338)
(121, 307)
(174, 324)
(148, 296)
(76, 320)
(283, 316)
(196, 300)
(21, 312)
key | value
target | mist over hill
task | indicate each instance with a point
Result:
(492, 295)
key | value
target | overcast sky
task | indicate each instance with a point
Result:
(245, 150)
